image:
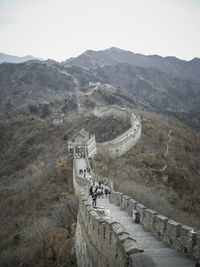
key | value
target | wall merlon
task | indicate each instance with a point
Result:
(124, 202)
(152, 212)
(160, 224)
(129, 246)
(118, 228)
(131, 205)
(141, 209)
(123, 236)
(148, 219)
(88, 207)
(116, 198)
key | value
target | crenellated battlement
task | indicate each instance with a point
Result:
(176, 235)
(124, 142)
(103, 242)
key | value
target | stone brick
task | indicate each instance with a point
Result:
(124, 201)
(131, 205)
(172, 233)
(186, 236)
(148, 219)
(160, 223)
(141, 209)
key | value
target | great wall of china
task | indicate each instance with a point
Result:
(121, 144)
(101, 241)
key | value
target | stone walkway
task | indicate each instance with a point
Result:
(161, 254)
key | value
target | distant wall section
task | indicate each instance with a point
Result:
(124, 142)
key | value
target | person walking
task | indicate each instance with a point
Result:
(197, 263)
(91, 190)
(98, 192)
(94, 199)
(106, 192)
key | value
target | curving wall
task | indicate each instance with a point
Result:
(124, 142)
(100, 242)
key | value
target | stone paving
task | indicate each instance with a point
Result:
(161, 254)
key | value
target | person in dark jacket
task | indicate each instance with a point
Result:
(197, 263)
(91, 190)
(94, 199)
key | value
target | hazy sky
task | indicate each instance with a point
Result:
(59, 29)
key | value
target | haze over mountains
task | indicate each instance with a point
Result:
(16, 59)
(166, 84)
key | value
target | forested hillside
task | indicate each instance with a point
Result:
(42, 104)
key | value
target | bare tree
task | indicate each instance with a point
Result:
(39, 237)
(64, 215)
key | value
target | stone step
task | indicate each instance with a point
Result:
(171, 261)
(161, 254)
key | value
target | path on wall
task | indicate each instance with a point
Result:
(161, 254)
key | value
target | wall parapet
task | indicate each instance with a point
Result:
(176, 235)
(107, 242)
(122, 143)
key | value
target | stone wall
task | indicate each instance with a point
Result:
(178, 236)
(120, 148)
(99, 241)
(124, 142)
(112, 110)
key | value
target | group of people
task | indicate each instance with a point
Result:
(80, 155)
(85, 172)
(97, 192)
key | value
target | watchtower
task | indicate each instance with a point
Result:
(83, 141)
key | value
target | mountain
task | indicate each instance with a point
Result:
(42, 105)
(113, 56)
(15, 59)
(163, 84)
(38, 82)
(168, 84)
(160, 89)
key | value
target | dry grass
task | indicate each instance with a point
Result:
(139, 173)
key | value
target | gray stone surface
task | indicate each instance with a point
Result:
(161, 254)
(154, 249)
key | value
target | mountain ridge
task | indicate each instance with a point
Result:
(5, 58)
(112, 56)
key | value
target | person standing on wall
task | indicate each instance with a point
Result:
(94, 199)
